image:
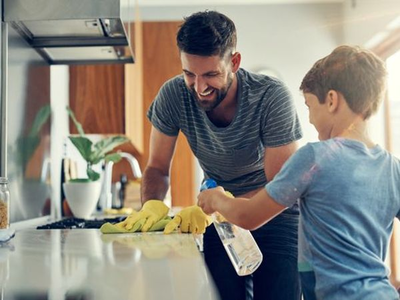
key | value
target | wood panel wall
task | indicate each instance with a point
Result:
(106, 100)
(162, 62)
(97, 98)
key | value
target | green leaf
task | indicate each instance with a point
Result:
(26, 147)
(41, 118)
(114, 157)
(77, 124)
(106, 145)
(93, 175)
(84, 146)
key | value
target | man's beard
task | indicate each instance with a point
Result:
(209, 105)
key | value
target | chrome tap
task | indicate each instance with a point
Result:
(107, 183)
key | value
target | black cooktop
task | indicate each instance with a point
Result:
(76, 223)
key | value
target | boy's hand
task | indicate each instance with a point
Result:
(207, 199)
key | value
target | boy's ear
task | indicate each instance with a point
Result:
(332, 101)
(236, 59)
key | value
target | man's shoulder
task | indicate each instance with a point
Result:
(173, 84)
(260, 88)
(257, 81)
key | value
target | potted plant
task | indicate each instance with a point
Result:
(83, 193)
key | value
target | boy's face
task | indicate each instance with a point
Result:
(319, 116)
(208, 78)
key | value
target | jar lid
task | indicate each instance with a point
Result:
(3, 180)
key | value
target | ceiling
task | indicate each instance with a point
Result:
(143, 3)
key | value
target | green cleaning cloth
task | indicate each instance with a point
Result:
(114, 228)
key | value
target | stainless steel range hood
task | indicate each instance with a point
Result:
(73, 31)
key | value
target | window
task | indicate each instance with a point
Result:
(392, 116)
(385, 130)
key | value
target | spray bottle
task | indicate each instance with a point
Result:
(240, 245)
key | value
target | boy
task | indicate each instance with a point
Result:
(349, 187)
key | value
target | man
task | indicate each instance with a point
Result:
(242, 127)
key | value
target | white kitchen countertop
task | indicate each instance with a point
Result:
(87, 265)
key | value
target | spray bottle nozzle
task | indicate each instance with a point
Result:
(208, 184)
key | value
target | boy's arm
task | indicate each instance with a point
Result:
(246, 213)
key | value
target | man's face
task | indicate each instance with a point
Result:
(208, 78)
(319, 116)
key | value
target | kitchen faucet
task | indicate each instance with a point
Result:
(107, 183)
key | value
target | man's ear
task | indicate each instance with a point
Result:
(332, 101)
(236, 59)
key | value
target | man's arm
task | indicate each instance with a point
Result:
(155, 180)
(274, 158)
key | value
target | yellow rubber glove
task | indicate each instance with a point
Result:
(107, 228)
(151, 212)
(190, 219)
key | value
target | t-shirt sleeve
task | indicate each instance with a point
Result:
(164, 111)
(292, 182)
(280, 122)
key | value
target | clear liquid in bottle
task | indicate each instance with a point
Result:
(239, 243)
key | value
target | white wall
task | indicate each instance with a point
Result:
(364, 19)
(367, 23)
(59, 94)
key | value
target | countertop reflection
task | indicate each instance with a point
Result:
(85, 264)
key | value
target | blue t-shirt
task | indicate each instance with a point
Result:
(349, 196)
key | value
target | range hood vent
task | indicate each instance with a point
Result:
(73, 31)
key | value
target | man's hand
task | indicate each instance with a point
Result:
(151, 212)
(190, 219)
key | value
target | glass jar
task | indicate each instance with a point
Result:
(4, 203)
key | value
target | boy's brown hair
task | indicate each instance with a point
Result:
(358, 74)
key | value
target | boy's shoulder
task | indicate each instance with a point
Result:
(322, 149)
(339, 142)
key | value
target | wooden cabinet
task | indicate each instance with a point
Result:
(97, 98)
(114, 99)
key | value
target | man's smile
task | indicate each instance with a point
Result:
(206, 93)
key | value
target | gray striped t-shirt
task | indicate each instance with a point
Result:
(232, 155)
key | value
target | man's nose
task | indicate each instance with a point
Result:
(200, 84)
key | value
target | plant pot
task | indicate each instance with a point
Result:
(82, 197)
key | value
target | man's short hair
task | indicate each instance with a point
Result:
(207, 33)
(358, 74)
